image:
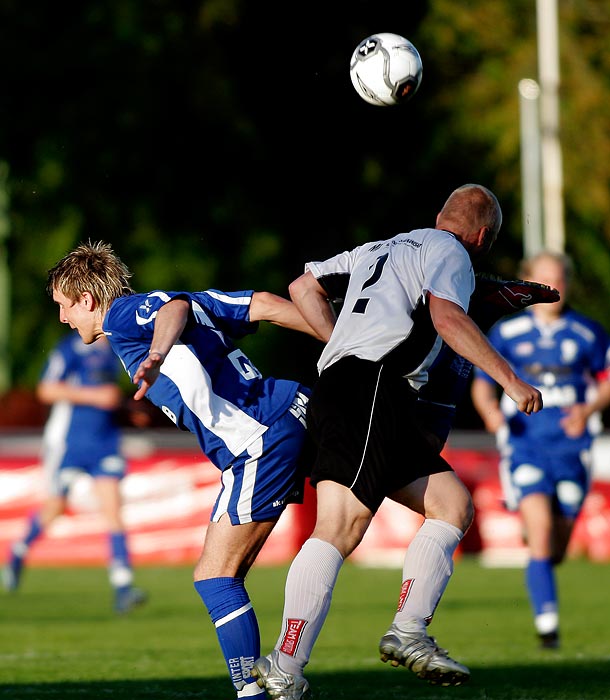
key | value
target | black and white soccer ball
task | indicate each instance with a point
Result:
(386, 69)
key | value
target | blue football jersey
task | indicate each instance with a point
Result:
(207, 385)
(561, 359)
(85, 432)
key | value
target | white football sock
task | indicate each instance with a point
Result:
(426, 572)
(309, 588)
(546, 622)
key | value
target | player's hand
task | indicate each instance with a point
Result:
(574, 422)
(527, 397)
(147, 373)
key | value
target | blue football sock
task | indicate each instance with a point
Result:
(34, 530)
(540, 581)
(236, 625)
(121, 575)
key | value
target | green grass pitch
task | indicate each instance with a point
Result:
(60, 640)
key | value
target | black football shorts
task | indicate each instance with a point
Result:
(362, 418)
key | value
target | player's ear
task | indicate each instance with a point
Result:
(486, 238)
(88, 301)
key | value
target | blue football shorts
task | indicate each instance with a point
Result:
(62, 471)
(563, 476)
(270, 473)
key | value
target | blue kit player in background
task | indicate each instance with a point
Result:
(545, 458)
(178, 347)
(81, 435)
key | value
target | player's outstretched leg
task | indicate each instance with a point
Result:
(278, 684)
(494, 298)
(418, 652)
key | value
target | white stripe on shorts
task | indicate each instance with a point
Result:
(244, 500)
(368, 432)
(244, 505)
(227, 479)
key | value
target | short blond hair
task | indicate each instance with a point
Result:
(94, 268)
(473, 206)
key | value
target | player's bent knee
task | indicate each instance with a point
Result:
(453, 504)
(464, 507)
(344, 534)
(467, 515)
(457, 512)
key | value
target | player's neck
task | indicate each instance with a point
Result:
(547, 313)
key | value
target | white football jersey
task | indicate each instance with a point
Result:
(384, 314)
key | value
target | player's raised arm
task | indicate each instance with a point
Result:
(463, 335)
(266, 306)
(169, 324)
(311, 300)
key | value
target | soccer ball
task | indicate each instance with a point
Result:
(386, 69)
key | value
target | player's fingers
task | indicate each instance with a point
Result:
(141, 392)
(141, 372)
(531, 405)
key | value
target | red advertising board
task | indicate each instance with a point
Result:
(169, 494)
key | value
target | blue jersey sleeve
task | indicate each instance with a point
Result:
(130, 322)
(227, 311)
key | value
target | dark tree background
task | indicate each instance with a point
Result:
(220, 143)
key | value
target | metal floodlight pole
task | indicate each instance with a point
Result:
(529, 94)
(552, 169)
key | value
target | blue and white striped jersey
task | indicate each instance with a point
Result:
(561, 359)
(82, 429)
(207, 385)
